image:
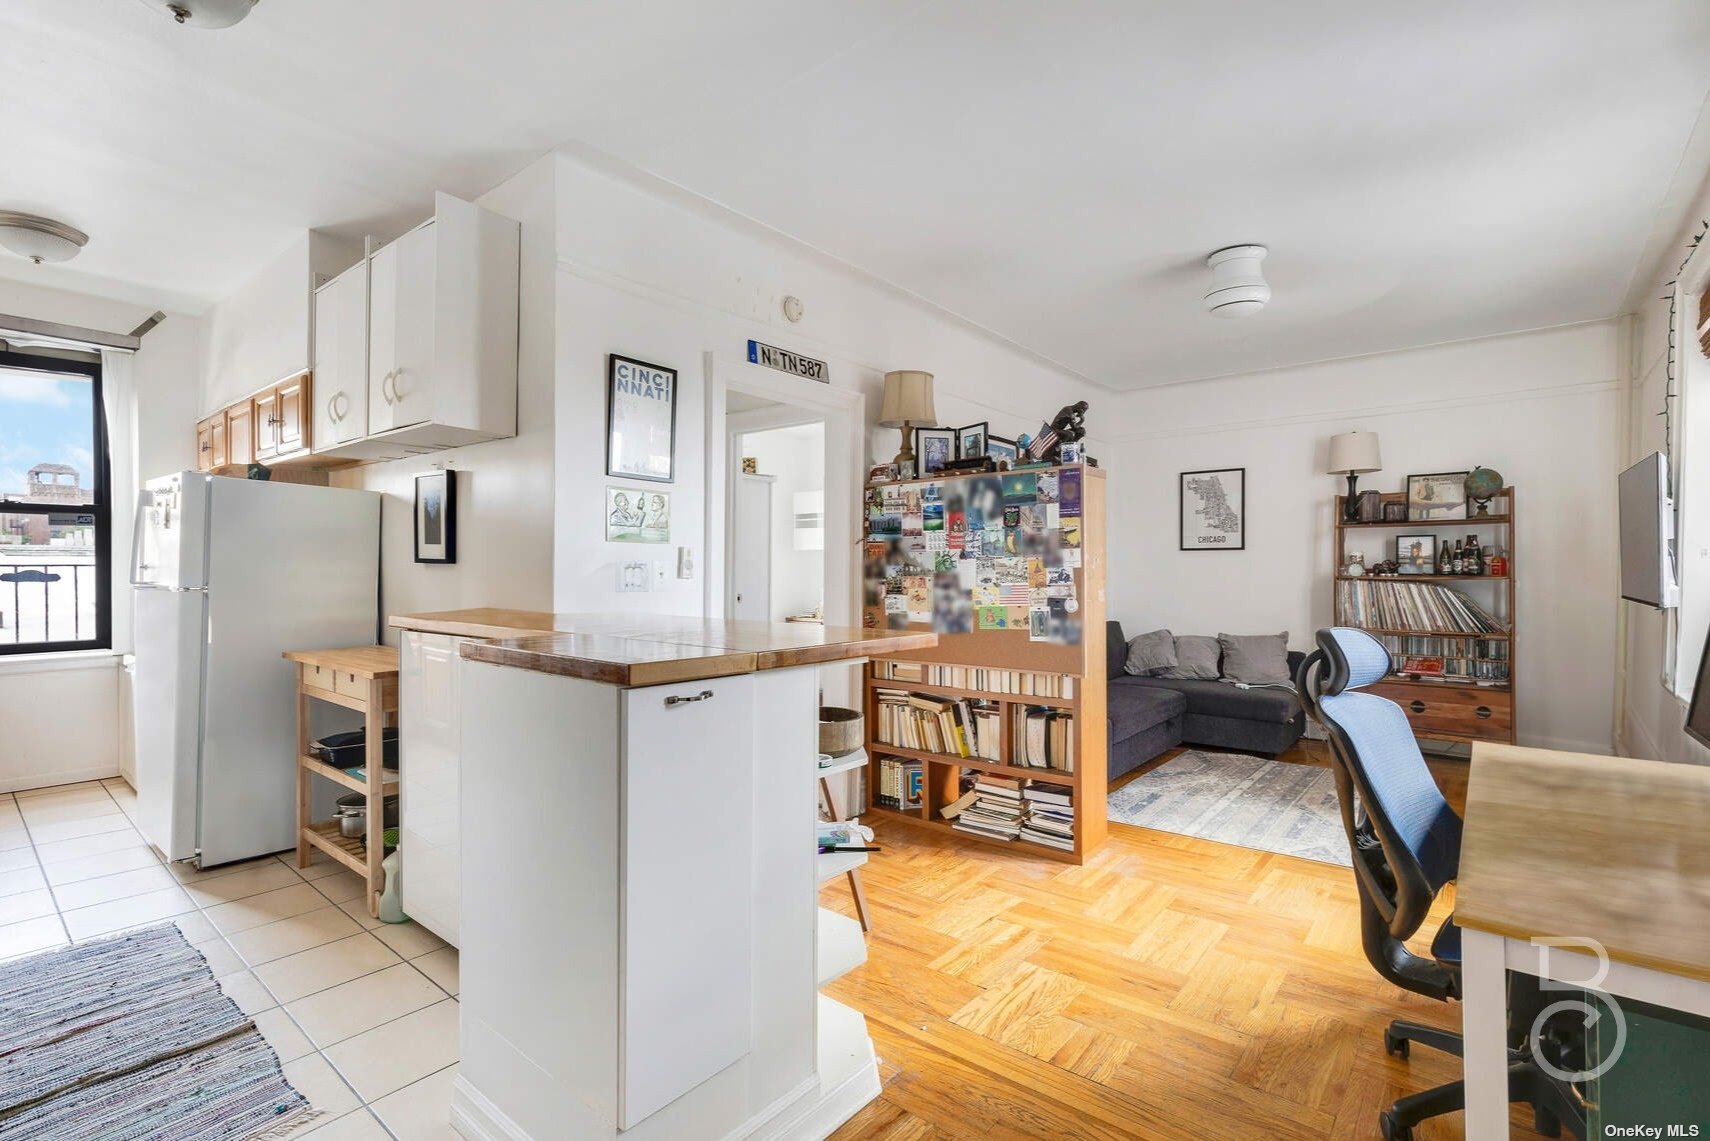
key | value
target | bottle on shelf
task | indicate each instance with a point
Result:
(1498, 567)
(1445, 559)
(1458, 560)
(1475, 556)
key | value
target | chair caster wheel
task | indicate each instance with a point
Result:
(1392, 1129)
(1395, 1045)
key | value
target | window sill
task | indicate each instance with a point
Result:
(58, 662)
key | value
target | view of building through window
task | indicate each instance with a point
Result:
(49, 582)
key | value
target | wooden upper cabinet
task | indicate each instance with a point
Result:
(292, 399)
(204, 445)
(240, 434)
(217, 441)
(266, 424)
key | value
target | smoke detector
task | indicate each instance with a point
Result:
(1238, 286)
(204, 13)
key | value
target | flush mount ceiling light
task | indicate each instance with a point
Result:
(204, 13)
(1238, 286)
(39, 239)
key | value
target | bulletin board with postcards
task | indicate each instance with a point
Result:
(998, 564)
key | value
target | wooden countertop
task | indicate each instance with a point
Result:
(1606, 848)
(363, 661)
(648, 649)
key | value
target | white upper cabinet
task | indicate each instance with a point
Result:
(341, 359)
(441, 336)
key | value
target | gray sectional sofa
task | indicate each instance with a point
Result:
(1148, 715)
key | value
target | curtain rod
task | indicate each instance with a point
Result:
(74, 335)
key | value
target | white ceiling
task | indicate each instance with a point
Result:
(1053, 172)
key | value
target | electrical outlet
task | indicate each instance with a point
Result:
(634, 578)
(660, 579)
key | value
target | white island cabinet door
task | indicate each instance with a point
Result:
(428, 776)
(686, 940)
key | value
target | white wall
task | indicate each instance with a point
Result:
(1540, 407)
(1652, 716)
(64, 718)
(796, 456)
(650, 272)
(504, 487)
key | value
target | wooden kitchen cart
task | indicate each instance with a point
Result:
(365, 679)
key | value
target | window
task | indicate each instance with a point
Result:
(55, 506)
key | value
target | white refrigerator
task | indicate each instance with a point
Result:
(228, 574)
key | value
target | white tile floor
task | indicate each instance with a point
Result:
(362, 1014)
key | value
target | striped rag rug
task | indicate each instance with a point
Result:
(131, 1038)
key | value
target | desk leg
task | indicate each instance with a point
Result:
(1484, 1024)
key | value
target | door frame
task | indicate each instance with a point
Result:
(844, 412)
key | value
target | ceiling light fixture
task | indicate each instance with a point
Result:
(39, 239)
(1238, 286)
(204, 13)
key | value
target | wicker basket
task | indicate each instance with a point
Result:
(840, 730)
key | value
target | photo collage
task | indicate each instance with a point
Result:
(993, 551)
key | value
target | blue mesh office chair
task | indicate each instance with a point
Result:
(1406, 843)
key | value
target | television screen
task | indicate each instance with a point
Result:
(1698, 713)
(1647, 534)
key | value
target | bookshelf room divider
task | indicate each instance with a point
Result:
(998, 733)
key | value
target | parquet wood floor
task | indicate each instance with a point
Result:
(1170, 988)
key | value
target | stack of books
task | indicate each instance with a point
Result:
(923, 721)
(977, 677)
(900, 783)
(1050, 816)
(993, 808)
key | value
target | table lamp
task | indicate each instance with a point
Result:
(1353, 454)
(908, 403)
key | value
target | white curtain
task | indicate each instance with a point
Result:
(118, 394)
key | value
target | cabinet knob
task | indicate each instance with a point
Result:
(1483, 712)
(703, 695)
(1416, 705)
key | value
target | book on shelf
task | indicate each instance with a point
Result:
(955, 727)
(1014, 808)
(1043, 738)
(901, 783)
(1021, 683)
(1454, 659)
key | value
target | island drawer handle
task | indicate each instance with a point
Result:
(701, 696)
(1417, 706)
(1483, 712)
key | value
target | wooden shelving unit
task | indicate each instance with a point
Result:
(1012, 650)
(363, 679)
(1452, 711)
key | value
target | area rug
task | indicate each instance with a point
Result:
(131, 1038)
(1273, 806)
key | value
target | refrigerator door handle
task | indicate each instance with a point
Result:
(145, 500)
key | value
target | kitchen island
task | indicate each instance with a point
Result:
(638, 927)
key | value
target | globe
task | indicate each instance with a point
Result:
(1482, 484)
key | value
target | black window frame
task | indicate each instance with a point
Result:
(102, 508)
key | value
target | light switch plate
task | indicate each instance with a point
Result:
(660, 575)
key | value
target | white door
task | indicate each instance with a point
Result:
(751, 549)
(341, 359)
(401, 320)
(428, 735)
(687, 910)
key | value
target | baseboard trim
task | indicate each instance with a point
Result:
(474, 1117)
(835, 1106)
(63, 776)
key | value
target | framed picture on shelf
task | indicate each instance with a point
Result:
(933, 448)
(641, 419)
(1440, 495)
(436, 516)
(1002, 450)
(1368, 507)
(636, 515)
(1416, 554)
(971, 441)
(1213, 509)
(1394, 505)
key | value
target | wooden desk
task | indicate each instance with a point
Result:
(1590, 870)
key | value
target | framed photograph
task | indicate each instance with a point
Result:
(883, 473)
(641, 419)
(1002, 450)
(971, 441)
(1416, 554)
(1394, 506)
(436, 516)
(1213, 513)
(1368, 506)
(933, 448)
(637, 515)
(1441, 495)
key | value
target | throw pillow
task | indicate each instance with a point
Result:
(1150, 654)
(1196, 658)
(1257, 659)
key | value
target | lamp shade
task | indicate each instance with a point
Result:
(908, 397)
(1354, 453)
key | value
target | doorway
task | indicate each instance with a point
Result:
(777, 497)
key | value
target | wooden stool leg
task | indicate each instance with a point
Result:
(303, 797)
(860, 899)
(375, 760)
